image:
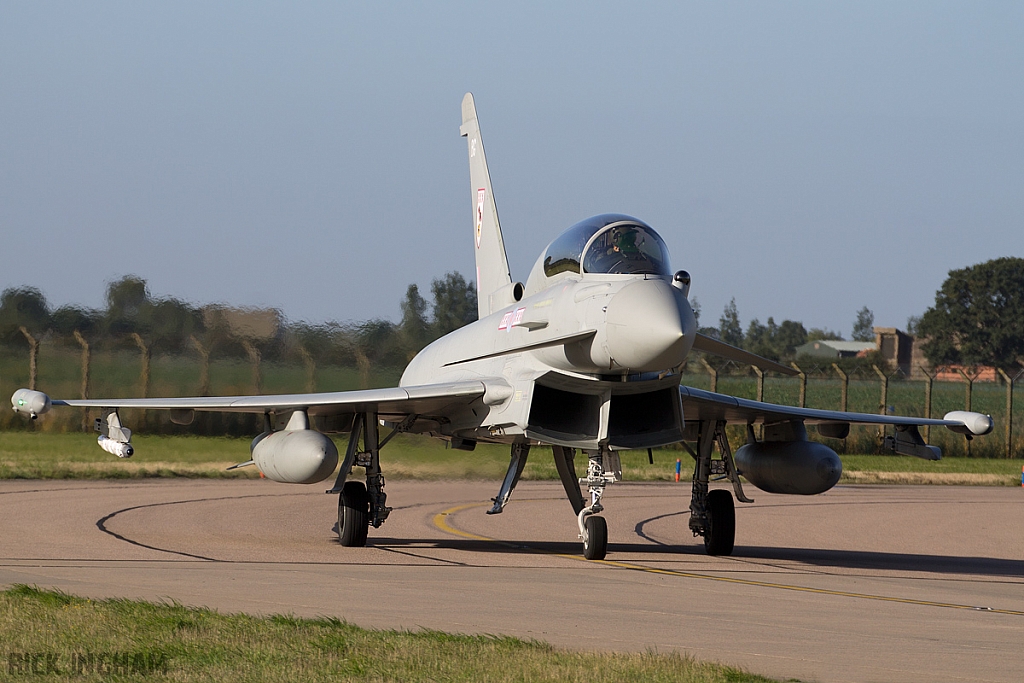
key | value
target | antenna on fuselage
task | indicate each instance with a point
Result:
(493, 280)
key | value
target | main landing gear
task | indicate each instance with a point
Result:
(361, 505)
(712, 514)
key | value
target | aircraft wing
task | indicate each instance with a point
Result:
(427, 399)
(705, 405)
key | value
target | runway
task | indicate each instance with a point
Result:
(883, 583)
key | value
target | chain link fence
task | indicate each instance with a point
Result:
(69, 370)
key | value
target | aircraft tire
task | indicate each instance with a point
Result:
(720, 535)
(595, 545)
(353, 514)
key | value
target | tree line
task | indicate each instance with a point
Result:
(133, 317)
(977, 319)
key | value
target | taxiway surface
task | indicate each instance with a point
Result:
(863, 583)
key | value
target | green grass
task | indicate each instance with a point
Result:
(40, 455)
(43, 455)
(203, 645)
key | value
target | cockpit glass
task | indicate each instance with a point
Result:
(622, 245)
(626, 248)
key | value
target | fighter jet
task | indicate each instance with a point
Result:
(585, 357)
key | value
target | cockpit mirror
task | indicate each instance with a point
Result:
(681, 281)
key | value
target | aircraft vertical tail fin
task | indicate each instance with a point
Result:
(492, 273)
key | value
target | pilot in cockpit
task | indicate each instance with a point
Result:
(624, 241)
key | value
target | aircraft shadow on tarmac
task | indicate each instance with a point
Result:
(906, 562)
(838, 559)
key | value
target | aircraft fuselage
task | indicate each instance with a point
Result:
(589, 360)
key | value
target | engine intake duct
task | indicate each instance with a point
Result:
(642, 420)
(565, 414)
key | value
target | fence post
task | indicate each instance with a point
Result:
(146, 356)
(760, 397)
(310, 364)
(803, 384)
(204, 368)
(969, 386)
(363, 363)
(883, 399)
(846, 386)
(927, 402)
(1009, 409)
(86, 362)
(713, 373)
(254, 358)
(33, 353)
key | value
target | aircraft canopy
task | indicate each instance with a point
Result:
(609, 243)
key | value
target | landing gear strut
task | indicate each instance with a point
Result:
(359, 505)
(517, 461)
(712, 514)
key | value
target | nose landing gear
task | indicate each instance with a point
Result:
(603, 469)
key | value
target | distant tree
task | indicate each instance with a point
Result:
(772, 340)
(23, 307)
(823, 334)
(790, 335)
(863, 326)
(168, 323)
(729, 329)
(414, 329)
(67, 319)
(379, 338)
(760, 339)
(913, 322)
(454, 303)
(126, 296)
(978, 317)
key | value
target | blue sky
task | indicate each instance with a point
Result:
(807, 159)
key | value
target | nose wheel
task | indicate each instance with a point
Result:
(595, 538)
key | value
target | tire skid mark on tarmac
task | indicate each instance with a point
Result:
(441, 522)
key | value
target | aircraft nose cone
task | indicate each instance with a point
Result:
(650, 326)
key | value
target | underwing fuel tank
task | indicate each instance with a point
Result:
(796, 467)
(300, 456)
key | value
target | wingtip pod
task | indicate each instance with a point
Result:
(30, 402)
(975, 424)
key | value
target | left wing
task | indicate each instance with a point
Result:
(702, 405)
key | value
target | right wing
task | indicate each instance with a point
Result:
(398, 402)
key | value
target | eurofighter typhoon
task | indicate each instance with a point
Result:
(584, 357)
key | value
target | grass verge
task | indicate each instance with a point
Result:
(35, 455)
(77, 639)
